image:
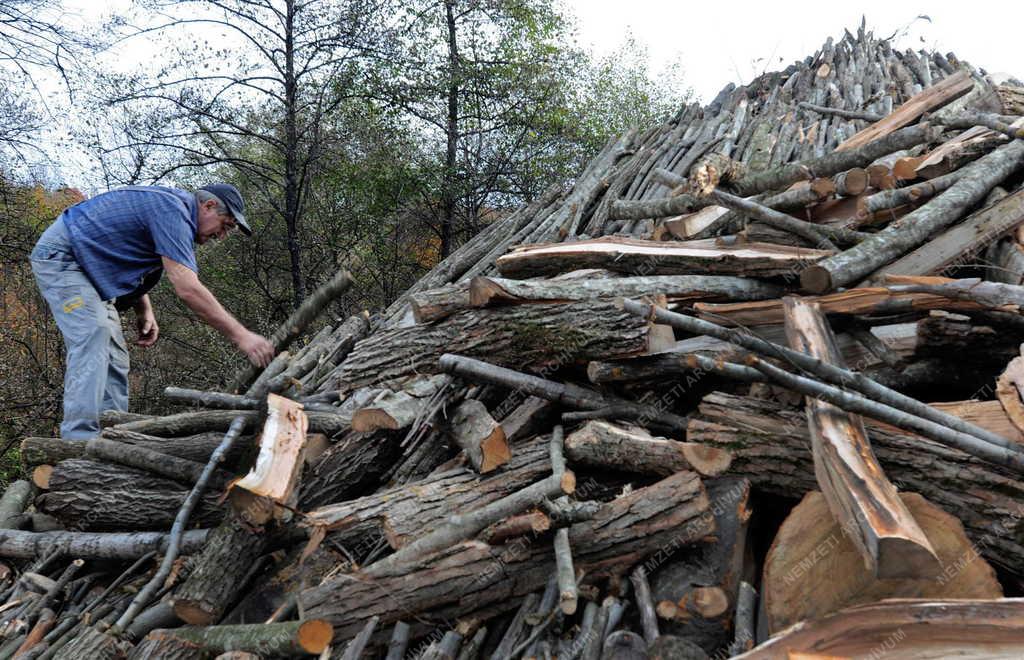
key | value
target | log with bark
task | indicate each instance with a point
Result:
(522, 335)
(814, 567)
(92, 545)
(657, 258)
(698, 589)
(601, 444)
(479, 436)
(475, 577)
(859, 495)
(486, 291)
(309, 637)
(896, 240)
(398, 408)
(123, 509)
(771, 446)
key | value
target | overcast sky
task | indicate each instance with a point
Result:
(725, 41)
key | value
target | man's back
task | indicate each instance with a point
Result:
(119, 237)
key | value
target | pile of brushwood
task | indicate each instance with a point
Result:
(752, 386)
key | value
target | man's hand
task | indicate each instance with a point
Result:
(145, 323)
(147, 328)
(256, 347)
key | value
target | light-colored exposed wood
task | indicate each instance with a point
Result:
(814, 568)
(685, 227)
(279, 461)
(479, 436)
(936, 96)
(657, 258)
(1010, 391)
(866, 300)
(858, 493)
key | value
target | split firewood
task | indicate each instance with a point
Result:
(838, 578)
(697, 588)
(687, 226)
(770, 446)
(656, 258)
(904, 629)
(961, 243)
(670, 510)
(858, 493)
(936, 96)
(485, 291)
(599, 443)
(480, 437)
(896, 240)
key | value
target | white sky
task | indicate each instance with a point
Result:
(724, 41)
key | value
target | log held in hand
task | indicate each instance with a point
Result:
(858, 493)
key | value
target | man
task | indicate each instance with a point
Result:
(104, 254)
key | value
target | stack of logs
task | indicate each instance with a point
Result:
(752, 387)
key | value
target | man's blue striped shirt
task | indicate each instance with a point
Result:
(119, 236)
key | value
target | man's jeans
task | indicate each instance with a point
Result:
(96, 376)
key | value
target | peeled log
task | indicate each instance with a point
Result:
(473, 576)
(771, 446)
(906, 629)
(601, 444)
(814, 569)
(657, 258)
(521, 335)
(858, 493)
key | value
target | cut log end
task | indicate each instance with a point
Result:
(666, 609)
(568, 481)
(709, 602)
(372, 419)
(41, 476)
(314, 636)
(194, 613)
(816, 279)
(495, 451)
(568, 602)
(901, 558)
(706, 460)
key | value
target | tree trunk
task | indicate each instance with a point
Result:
(123, 509)
(82, 474)
(407, 512)
(484, 291)
(308, 637)
(858, 493)
(522, 335)
(605, 445)
(179, 469)
(218, 571)
(703, 584)
(770, 446)
(473, 576)
(657, 258)
(896, 240)
(960, 244)
(353, 465)
(814, 567)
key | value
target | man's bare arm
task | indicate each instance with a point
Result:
(199, 299)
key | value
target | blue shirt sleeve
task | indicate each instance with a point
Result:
(171, 231)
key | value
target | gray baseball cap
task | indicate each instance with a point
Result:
(228, 194)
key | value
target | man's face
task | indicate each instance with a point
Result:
(211, 224)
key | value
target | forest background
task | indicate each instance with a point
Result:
(374, 135)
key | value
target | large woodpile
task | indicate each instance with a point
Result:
(752, 386)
